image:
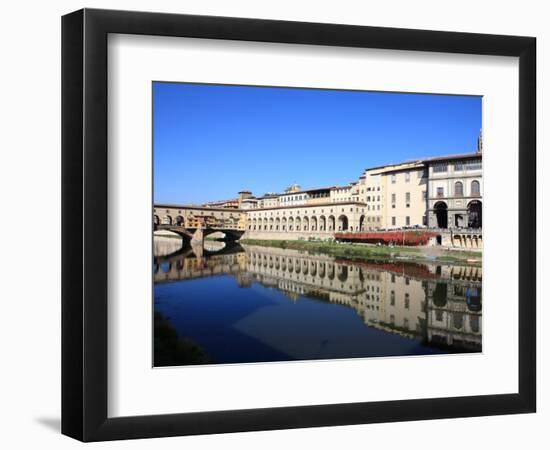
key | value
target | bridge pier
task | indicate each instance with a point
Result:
(198, 250)
(197, 243)
(198, 237)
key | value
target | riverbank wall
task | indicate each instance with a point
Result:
(450, 239)
(287, 235)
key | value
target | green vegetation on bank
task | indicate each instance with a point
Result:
(364, 251)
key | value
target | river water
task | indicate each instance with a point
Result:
(228, 303)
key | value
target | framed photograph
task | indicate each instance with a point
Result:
(272, 224)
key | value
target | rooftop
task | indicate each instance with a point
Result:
(318, 205)
(405, 164)
(302, 191)
(451, 157)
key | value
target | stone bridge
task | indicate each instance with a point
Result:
(197, 235)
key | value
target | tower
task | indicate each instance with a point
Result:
(480, 142)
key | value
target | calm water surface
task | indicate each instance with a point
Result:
(237, 304)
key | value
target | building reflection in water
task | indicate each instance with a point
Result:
(438, 305)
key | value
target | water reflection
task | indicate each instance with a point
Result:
(166, 245)
(310, 306)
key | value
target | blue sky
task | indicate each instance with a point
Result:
(211, 141)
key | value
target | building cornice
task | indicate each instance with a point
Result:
(202, 208)
(273, 208)
(316, 205)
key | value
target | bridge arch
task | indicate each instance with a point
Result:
(179, 221)
(156, 220)
(167, 220)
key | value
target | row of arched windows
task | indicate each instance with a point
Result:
(311, 268)
(321, 223)
(474, 189)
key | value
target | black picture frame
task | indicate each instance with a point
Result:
(84, 224)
